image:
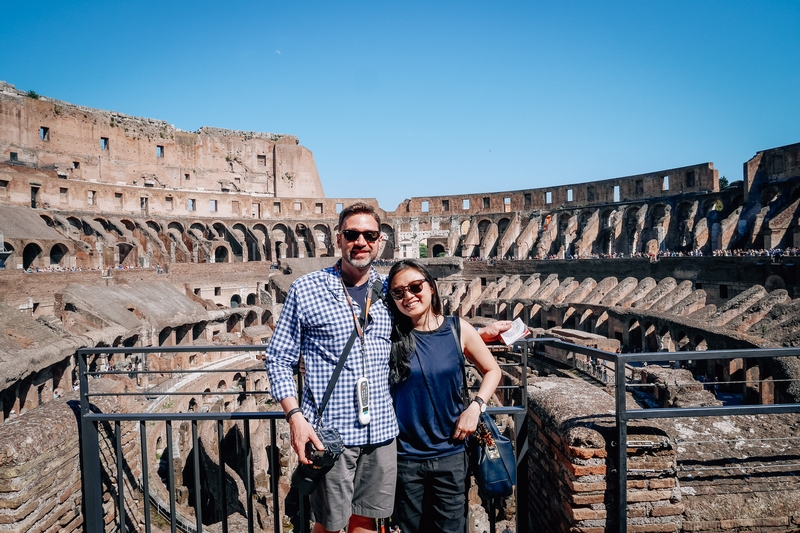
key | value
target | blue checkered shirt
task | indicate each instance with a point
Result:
(316, 321)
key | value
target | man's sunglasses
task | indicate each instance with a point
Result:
(351, 235)
(415, 287)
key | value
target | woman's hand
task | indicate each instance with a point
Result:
(468, 421)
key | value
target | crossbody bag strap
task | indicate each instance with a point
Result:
(455, 329)
(377, 290)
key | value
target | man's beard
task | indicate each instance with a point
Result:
(359, 263)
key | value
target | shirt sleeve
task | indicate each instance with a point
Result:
(283, 351)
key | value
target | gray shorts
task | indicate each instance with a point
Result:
(362, 482)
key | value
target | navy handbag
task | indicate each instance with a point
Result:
(492, 460)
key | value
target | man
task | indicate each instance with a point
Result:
(318, 317)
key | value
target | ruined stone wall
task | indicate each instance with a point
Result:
(695, 178)
(671, 487)
(775, 166)
(40, 469)
(109, 147)
(60, 192)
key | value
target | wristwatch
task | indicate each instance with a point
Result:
(480, 402)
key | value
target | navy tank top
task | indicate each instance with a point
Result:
(427, 414)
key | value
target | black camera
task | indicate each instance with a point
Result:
(306, 477)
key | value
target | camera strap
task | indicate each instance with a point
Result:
(376, 291)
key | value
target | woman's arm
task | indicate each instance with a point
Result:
(476, 351)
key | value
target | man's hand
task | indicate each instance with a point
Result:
(492, 331)
(301, 433)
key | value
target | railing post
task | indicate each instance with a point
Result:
(90, 452)
(198, 495)
(521, 428)
(120, 476)
(622, 445)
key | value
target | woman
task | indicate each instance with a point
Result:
(426, 373)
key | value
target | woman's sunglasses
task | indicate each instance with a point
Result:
(415, 287)
(351, 235)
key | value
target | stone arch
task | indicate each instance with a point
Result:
(129, 224)
(502, 226)
(683, 343)
(221, 254)
(304, 240)
(251, 299)
(700, 344)
(200, 228)
(607, 218)
(588, 321)
(681, 238)
(108, 226)
(665, 343)
(464, 226)
(229, 235)
(234, 323)
(262, 237)
(58, 255)
(250, 241)
(236, 301)
(659, 222)
(323, 241)
(222, 385)
(565, 234)
(483, 227)
(165, 337)
(123, 251)
(632, 231)
(177, 226)
(635, 337)
(601, 326)
(47, 219)
(199, 330)
(251, 319)
(570, 320)
(266, 318)
(218, 230)
(76, 227)
(31, 256)
(153, 225)
(388, 242)
(437, 250)
(769, 194)
(281, 242)
(650, 337)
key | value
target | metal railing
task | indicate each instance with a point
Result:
(103, 452)
(624, 414)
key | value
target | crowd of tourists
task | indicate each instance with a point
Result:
(57, 268)
(763, 252)
(774, 253)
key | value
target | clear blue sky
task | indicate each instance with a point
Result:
(402, 99)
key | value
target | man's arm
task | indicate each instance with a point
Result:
(282, 355)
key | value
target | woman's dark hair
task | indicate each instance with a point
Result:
(402, 338)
